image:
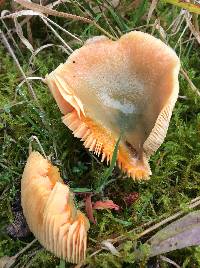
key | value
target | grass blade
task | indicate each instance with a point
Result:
(108, 172)
(194, 8)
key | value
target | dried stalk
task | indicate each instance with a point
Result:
(190, 82)
(49, 11)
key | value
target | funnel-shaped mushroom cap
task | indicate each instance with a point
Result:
(129, 87)
(50, 211)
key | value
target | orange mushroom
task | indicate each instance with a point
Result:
(50, 211)
(127, 86)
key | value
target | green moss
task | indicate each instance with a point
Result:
(175, 166)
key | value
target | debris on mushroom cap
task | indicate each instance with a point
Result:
(50, 211)
(127, 86)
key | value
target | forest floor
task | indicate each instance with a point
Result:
(29, 110)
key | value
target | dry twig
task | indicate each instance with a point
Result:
(49, 11)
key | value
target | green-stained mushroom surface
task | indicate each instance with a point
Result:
(108, 88)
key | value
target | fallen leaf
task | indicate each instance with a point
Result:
(108, 204)
(182, 233)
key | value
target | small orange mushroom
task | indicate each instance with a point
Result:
(50, 211)
(127, 86)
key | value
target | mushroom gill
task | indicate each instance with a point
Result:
(127, 86)
(50, 211)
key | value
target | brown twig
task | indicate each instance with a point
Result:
(52, 12)
(184, 73)
(192, 27)
(49, 11)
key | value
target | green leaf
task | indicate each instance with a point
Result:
(61, 264)
(119, 21)
(188, 6)
(140, 11)
(108, 172)
(122, 222)
(81, 190)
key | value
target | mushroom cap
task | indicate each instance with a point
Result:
(50, 211)
(127, 86)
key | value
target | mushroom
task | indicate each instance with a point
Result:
(126, 87)
(50, 211)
